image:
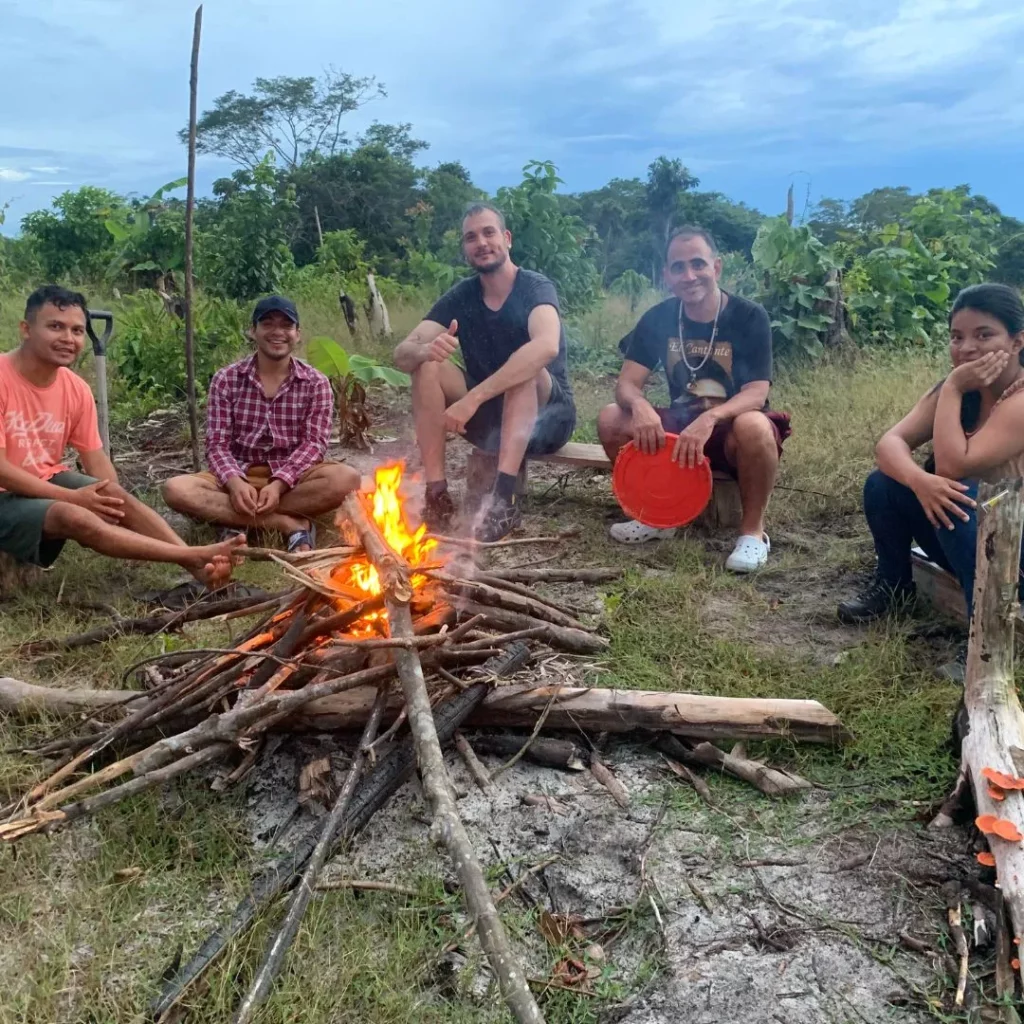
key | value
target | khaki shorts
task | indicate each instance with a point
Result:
(21, 522)
(256, 476)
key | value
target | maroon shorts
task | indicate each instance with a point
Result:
(676, 420)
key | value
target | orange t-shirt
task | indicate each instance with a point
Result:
(38, 424)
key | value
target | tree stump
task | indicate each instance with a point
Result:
(995, 732)
(481, 469)
(16, 577)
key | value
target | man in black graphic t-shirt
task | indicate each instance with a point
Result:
(716, 350)
(514, 397)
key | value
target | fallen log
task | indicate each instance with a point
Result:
(694, 716)
(770, 781)
(26, 700)
(995, 734)
(592, 709)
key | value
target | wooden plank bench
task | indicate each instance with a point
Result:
(723, 510)
(941, 589)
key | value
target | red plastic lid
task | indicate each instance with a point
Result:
(657, 491)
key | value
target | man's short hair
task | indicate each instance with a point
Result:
(54, 295)
(474, 208)
(693, 231)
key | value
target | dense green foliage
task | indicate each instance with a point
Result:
(311, 211)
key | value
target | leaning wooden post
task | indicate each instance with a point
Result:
(995, 736)
(447, 826)
(190, 203)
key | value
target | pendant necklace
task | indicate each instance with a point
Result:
(694, 370)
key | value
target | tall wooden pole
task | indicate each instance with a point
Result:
(190, 204)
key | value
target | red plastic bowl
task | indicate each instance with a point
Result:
(658, 492)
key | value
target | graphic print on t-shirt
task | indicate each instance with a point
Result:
(38, 441)
(713, 380)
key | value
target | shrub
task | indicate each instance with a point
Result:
(149, 344)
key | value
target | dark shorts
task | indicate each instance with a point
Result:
(21, 522)
(675, 420)
(553, 429)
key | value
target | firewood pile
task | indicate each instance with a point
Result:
(396, 604)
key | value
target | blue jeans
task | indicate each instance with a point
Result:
(897, 520)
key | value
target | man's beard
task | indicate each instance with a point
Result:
(275, 356)
(490, 268)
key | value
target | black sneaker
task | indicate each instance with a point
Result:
(498, 518)
(955, 671)
(879, 600)
(439, 512)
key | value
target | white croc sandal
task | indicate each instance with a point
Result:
(750, 553)
(632, 532)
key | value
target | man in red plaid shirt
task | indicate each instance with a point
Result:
(268, 423)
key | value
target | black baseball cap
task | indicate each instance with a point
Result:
(275, 304)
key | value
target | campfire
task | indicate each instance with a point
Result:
(395, 603)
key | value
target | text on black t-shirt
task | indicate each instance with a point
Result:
(742, 354)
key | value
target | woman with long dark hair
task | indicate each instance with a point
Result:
(975, 420)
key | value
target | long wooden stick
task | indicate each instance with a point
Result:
(448, 826)
(437, 785)
(190, 204)
(149, 624)
(575, 641)
(484, 594)
(282, 940)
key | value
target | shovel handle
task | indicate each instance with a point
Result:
(99, 341)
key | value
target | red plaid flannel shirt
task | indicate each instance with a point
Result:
(289, 432)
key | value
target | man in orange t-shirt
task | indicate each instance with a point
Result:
(44, 407)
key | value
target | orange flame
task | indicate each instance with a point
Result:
(388, 510)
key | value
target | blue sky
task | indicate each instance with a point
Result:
(750, 94)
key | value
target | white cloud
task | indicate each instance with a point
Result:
(11, 174)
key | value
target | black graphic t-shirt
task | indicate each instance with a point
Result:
(743, 350)
(488, 337)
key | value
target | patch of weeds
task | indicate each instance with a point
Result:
(897, 711)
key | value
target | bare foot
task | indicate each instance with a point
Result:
(212, 564)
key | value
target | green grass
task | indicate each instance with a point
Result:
(78, 944)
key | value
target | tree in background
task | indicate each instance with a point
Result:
(243, 248)
(367, 189)
(618, 214)
(667, 180)
(296, 118)
(71, 240)
(447, 189)
(546, 239)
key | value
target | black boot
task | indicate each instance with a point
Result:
(955, 671)
(876, 602)
(498, 518)
(439, 512)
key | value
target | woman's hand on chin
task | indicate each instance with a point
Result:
(978, 373)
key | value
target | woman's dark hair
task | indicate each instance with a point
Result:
(996, 300)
